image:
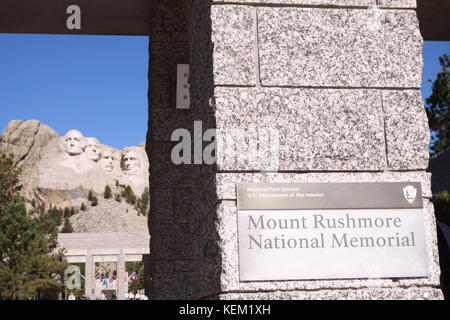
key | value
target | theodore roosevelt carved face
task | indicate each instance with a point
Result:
(74, 143)
(107, 160)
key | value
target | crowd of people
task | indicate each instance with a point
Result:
(137, 296)
(127, 296)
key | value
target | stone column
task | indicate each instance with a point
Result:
(339, 81)
(89, 285)
(170, 195)
(122, 287)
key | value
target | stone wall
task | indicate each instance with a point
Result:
(440, 171)
(168, 268)
(339, 81)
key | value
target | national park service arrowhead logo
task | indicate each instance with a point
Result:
(410, 193)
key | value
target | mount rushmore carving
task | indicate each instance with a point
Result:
(60, 171)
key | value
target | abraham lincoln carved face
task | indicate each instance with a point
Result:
(131, 163)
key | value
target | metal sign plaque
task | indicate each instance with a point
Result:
(331, 231)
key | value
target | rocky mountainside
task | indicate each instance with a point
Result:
(64, 171)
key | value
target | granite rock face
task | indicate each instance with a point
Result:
(413, 293)
(319, 129)
(233, 55)
(362, 3)
(339, 47)
(407, 131)
(25, 138)
(109, 216)
(60, 171)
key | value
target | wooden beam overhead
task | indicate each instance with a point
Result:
(434, 19)
(102, 17)
(132, 17)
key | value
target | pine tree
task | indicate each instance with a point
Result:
(83, 207)
(72, 211)
(129, 195)
(145, 201)
(438, 107)
(56, 215)
(29, 265)
(90, 196)
(67, 228)
(66, 212)
(108, 193)
(9, 179)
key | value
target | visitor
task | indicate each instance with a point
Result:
(126, 296)
(131, 295)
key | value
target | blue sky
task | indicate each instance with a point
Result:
(95, 84)
(432, 50)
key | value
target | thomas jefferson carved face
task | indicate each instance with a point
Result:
(131, 162)
(74, 143)
(107, 160)
(93, 149)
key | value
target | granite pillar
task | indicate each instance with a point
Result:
(122, 285)
(338, 80)
(90, 276)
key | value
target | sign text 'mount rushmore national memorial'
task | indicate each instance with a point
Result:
(330, 231)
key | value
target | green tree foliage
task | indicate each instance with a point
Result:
(30, 266)
(56, 215)
(118, 198)
(437, 107)
(83, 207)
(129, 195)
(144, 202)
(67, 228)
(108, 193)
(72, 211)
(137, 284)
(441, 203)
(92, 199)
(9, 179)
(90, 196)
(94, 202)
(66, 212)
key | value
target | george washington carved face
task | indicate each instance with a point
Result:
(74, 143)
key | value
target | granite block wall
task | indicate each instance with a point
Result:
(338, 79)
